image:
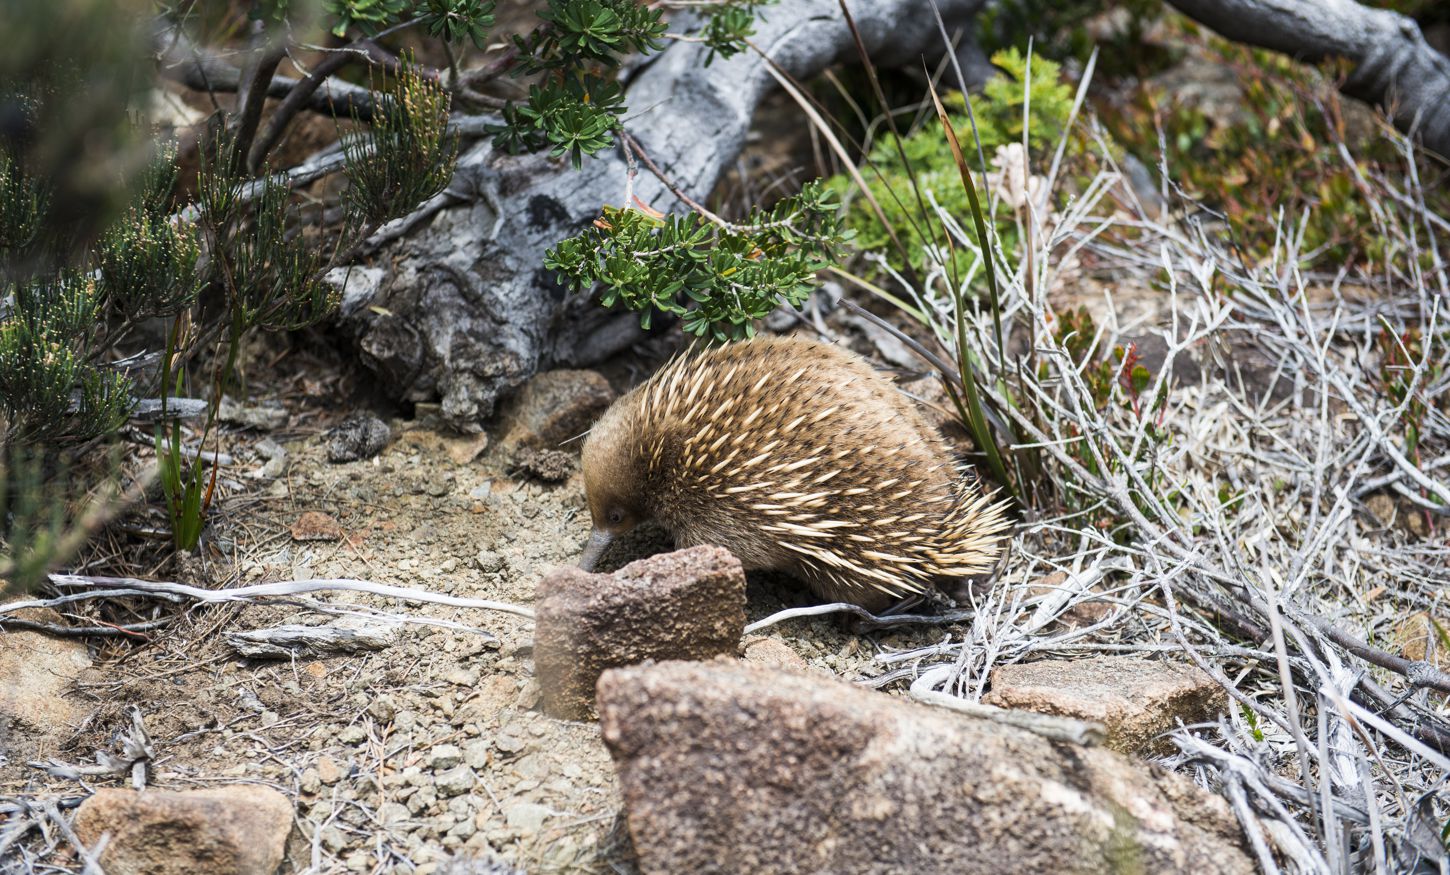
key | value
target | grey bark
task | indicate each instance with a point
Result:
(1394, 66)
(461, 307)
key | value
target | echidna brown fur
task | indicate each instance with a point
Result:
(795, 456)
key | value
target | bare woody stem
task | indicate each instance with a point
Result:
(301, 93)
(252, 97)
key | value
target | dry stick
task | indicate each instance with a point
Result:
(281, 588)
(1079, 732)
(670, 183)
(879, 621)
(302, 93)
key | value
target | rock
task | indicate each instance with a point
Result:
(1135, 699)
(360, 436)
(314, 525)
(689, 604)
(546, 466)
(464, 450)
(444, 757)
(732, 768)
(327, 770)
(36, 671)
(476, 754)
(526, 818)
(268, 416)
(773, 653)
(554, 407)
(455, 781)
(489, 561)
(236, 830)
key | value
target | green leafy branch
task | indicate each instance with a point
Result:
(717, 277)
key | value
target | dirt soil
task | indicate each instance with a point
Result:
(433, 747)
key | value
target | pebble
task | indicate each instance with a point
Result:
(394, 813)
(476, 754)
(445, 756)
(333, 839)
(311, 782)
(383, 708)
(353, 734)
(328, 770)
(509, 744)
(526, 818)
(456, 781)
(462, 677)
(489, 561)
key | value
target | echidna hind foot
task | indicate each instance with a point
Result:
(795, 456)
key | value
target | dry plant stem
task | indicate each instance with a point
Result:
(302, 93)
(636, 149)
(1079, 732)
(133, 586)
(252, 97)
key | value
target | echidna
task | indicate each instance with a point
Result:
(795, 456)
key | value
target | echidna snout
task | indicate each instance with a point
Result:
(795, 456)
(611, 484)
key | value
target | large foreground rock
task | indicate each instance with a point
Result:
(36, 673)
(689, 604)
(730, 768)
(1137, 700)
(237, 830)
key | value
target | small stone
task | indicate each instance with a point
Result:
(393, 813)
(462, 677)
(477, 754)
(328, 770)
(526, 818)
(456, 781)
(352, 734)
(689, 604)
(553, 407)
(773, 653)
(466, 449)
(310, 783)
(449, 566)
(1137, 700)
(383, 708)
(444, 756)
(508, 743)
(360, 436)
(332, 839)
(236, 830)
(489, 561)
(315, 525)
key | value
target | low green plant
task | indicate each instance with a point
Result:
(1274, 150)
(718, 278)
(923, 159)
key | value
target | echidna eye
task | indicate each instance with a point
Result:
(616, 516)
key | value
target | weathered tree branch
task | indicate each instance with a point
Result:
(456, 311)
(1394, 66)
